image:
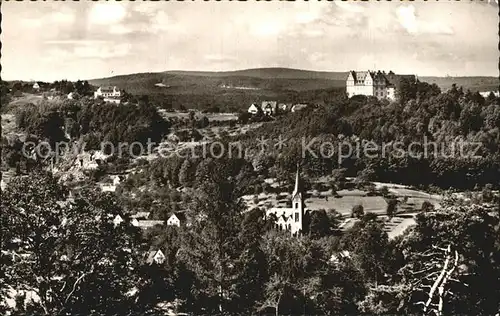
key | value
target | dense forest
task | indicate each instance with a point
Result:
(423, 115)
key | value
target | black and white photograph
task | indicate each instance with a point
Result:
(250, 158)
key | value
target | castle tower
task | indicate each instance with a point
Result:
(298, 204)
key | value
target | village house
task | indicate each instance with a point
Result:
(155, 257)
(291, 219)
(269, 107)
(36, 86)
(485, 94)
(298, 107)
(141, 215)
(273, 108)
(146, 224)
(109, 94)
(337, 257)
(176, 219)
(284, 107)
(374, 83)
(117, 220)
(253, 109)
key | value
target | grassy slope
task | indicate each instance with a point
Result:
(265, 81)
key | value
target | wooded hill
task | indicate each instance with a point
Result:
(261, 80)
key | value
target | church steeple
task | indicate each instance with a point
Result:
(298, 205)
(298, 183)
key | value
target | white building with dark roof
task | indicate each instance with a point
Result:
(146, 224)
(109, 94)
(269, 107)
(374, 83)
(176, 219)
(253, 109)
(291, 219)
(155, 257)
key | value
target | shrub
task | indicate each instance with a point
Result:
(357, 211)
(384, 191)
(427, 206)
(392, 205)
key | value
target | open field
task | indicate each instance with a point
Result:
(410, 203)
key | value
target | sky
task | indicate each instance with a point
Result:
(56, 40)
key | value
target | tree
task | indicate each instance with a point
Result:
(319, 225)
(244, 117)
(365, 175)
(406, 90)
(338, 176)
(208, 249)
(369, 243)
(426, 206)
(469, 236)
(284, 256)
(187, 172)
(252, 262)
(384, 191)
(203, 122)
(65, 251)
(357, 211)
(392, 207)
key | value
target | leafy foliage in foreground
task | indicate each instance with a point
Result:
(69, 253)
(78, 261)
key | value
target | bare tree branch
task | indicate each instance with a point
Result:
(76, 283)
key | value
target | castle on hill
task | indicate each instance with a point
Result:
(291, 219)
(375, 83)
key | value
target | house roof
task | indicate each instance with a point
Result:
(299, 106)
(271, 104)
(390, 78)
(360, 75)
(149, 223)
(141, 215)
(108, 88)
(180, 215)
(151, 255)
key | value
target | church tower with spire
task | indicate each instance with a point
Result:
(298, 204)
(291, 218)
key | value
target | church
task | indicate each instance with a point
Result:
(291, 219)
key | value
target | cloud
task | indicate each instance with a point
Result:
(76, 42)
(101, 52)
(84, 49)
(94, 38)
(267, 28)
(310, 13)
(160, 22)
(107, 13)
(408, 20)
(350, 7)
(61, 17)
(52, 18)
(219, 58)
(120, 29)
